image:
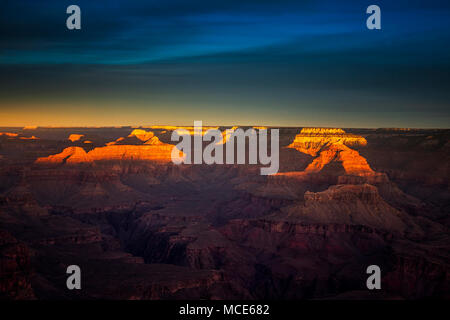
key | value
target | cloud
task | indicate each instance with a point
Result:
(291, 56)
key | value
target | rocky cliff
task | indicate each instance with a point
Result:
(155, 151)
(312, 140)
(15, 269)
(344, 199)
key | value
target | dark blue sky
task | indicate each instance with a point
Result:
(305, 63)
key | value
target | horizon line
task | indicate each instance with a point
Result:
(34, 127)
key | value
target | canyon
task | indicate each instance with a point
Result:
(140, 227)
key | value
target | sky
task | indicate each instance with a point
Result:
(233, 62)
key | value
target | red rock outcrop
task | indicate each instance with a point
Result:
(153, 141)
(330, 145)
(137, 137)
(352, 205)
(159, 152)
(9, 134)
(150, 148)
(189, 129)
(17, 135)
(142, 134)
(75, 137)
(116, 141)
(352, 161)
(312, 140)
(70, 154)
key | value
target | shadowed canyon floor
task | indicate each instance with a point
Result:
(111, 201)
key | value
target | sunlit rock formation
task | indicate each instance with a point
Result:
(189, 129)
(75, 137)
(324, 131)
(115, 142)
(352, 162)
(153, 141)
(170, 128)
(142, 134)
(159, 152)
(9, 134)
(329, 145)
(68, 154)
(137, 137)
(312, 140)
